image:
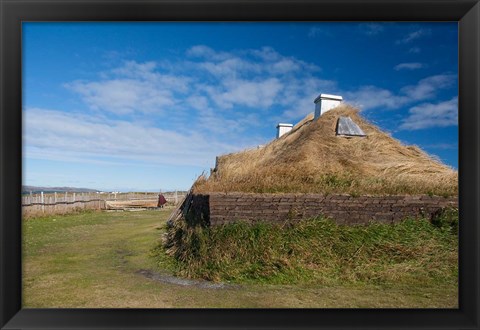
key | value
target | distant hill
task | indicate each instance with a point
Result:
(34, 189)
(313, 159)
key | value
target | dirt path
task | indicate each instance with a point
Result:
(103, 259)
(183, 281)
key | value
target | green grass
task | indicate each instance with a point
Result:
(91, 260)
(320, 252)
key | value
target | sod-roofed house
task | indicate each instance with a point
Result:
(332, 163)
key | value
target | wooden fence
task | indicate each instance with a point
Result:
(61, 203)
(47, 208)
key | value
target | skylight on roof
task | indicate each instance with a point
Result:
(347, 127)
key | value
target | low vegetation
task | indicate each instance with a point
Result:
(312, 159)
(95, 260)
(413, 253)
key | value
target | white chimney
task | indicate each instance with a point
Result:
(325, 102)
(283, 129)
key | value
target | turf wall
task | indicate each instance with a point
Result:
(221, 208)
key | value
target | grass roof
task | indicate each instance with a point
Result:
(313, 159)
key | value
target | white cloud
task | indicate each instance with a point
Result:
(251, 78)
(414, 36)
(253, 61)
(210, 121)
(428, 115)
(198, 102)
(59, 135)
(372, 97)
(428, 87)
(255, 94)
(132, 69)
(414, 50)
(133, 87)
(202, 51)
(284, 66)
(409, 66)
(124, 96)
(231, 67)
(267, 54)
(277, 64)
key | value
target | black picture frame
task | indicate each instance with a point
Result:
(14, 12)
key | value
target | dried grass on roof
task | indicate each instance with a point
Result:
(311, 158)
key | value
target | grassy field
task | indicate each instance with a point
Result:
(106, 259)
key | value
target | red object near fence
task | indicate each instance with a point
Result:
(161, 200)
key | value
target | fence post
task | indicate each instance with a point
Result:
(74, 197)
(43, 202)
(176, 197)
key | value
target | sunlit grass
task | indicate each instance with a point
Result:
(414, 252)
(91, 260)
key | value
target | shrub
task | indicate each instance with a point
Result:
(446, 218)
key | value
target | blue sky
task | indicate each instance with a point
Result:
(148, 106)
